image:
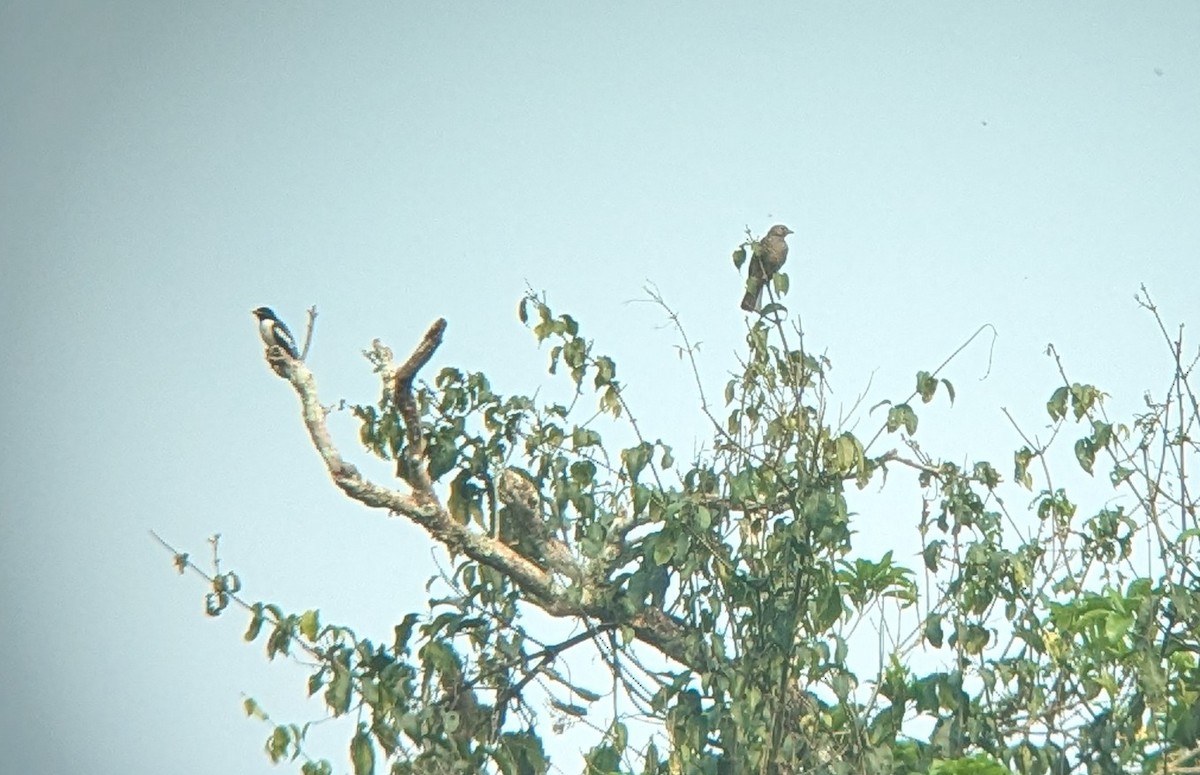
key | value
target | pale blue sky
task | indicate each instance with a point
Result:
(165, 167)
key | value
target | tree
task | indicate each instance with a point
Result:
(719, 595)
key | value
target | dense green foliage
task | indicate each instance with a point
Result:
(720, 594)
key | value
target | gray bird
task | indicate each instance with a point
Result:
(769, 255)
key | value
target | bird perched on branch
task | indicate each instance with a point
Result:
(274, 333)
(769, 255)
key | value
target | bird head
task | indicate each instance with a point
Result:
(264, 313)
(779, 230)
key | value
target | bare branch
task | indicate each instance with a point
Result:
(308, 333)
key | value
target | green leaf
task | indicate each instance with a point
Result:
(620, 736)
(926, 386)
(582, 437)
(611, 401)
(739, 257)
(521, 753)
(1057, 405)
(1083, 398)
(829, 607)
(933, 630)
(337, 695)
(663, 551)
(362, 752)
(1117, 625)
(902, 415)
(403, 632)
(641, 497)
(1021, 460)
(635, 459)
(841, 686)
(848, 452)
(277, 744)
(280, 639)
(442, 454)
(1085, 453)
(252, 709)
(583, 472)
(315, 682)
(256, 622)
(309, 625)
(606, 371)
(974, 639)
(602, 759)
(1120, 474)
(683, 543)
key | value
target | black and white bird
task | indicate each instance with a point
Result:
(274, 333)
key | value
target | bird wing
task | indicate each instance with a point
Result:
(285, 338)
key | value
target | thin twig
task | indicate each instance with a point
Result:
(308, 333)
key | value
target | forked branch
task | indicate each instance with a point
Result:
(666, 633)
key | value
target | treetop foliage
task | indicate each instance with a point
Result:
(729, 621)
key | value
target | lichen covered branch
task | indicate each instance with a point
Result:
(546, 587)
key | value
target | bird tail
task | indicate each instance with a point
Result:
(752, 301)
